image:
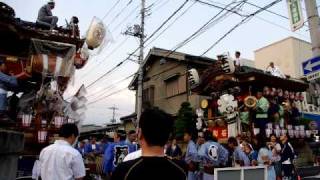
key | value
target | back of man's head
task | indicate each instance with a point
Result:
(67, 130)
(156, 126)
(208, 136)
(121, 134)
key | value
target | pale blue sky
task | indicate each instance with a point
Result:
(249, 37)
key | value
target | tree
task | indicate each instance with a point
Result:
(185, 121)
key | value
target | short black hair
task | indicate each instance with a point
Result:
(156, 126)
(238, 52)
(67, 130)
(208, 136)
(233, 140)
(131, 132)
(122, 134)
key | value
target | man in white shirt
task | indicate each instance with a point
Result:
(60, 161)
(237, 61)
(275, 70)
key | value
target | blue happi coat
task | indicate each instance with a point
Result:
(114, 155)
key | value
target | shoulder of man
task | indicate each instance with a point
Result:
(124, 168)
(179, 164)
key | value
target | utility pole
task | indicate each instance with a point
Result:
(141, 57)
(113, 120)
(138, 31)
(313, 21)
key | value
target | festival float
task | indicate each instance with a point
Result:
(49, 59)
(232, 105)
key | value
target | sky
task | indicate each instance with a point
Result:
(260, 31)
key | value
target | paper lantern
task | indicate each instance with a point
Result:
(291, 133)
(283, 132)
(26, 120)
(277, 132)
(268, 132)
(42, 136)
(269, 125)
(296, 133)
(302, 133)
(289, 126)
(308, 133)
(58, 121)
(256, 131)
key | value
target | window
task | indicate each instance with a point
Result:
(148, 96)
(176, 85)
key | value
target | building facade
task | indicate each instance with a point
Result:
(287, 54)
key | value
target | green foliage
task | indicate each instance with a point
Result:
(185, 121)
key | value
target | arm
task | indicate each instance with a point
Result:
(108, 157)
(10, 80)
(78, 168)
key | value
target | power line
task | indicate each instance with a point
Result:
(203, 27)
(175, 12)
(105, 58)
(222, 8)
(174, 21)
(111, 9)
(168, 19)
(104, 97)
(239, 24)
(124, 19)
(114, 68)
(272, 12)
(117, 15)
(110, 86)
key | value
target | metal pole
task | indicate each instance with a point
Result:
(140, 71)
(313, 21)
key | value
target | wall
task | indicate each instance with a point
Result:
(157, 79)
(286, 54)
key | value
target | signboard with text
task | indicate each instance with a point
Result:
(311, 68)
(295, 14)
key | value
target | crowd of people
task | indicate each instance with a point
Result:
(149, 154)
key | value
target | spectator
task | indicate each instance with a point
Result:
(287, 157)
(275, 147)
(60, 160)
(116, 152)
(45, 15)
(264, 159)
(239, 157)
(174, 151)
(93, 147)
(275, 70)
(104, 144)
(212, 155)
(238, 62)
(251, 153)
(81, 148)
(191, 157)
(132, 137)
(155, 128)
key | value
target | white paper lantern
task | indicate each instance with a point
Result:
(256, 131)
(42, 136)
(283, 131)
(26, 120)
(308, 133)
(58, 121)
(291, 133)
